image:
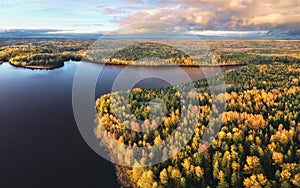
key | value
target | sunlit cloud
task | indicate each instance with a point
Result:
(227, 33)
(240, 15)
(207, 17)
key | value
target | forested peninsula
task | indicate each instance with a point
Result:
(257, 144)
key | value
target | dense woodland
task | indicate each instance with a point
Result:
(257, 145)
(42, 53)
(51, 53)
(151, 53)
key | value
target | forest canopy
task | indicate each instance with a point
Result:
(256, 146)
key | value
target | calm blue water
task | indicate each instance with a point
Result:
(40, 145)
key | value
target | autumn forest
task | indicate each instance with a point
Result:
(257, 144)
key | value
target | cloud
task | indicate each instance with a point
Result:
(228, 33)
(133, 1)
(149, 20)
(147, 27)
(273, 19)
(221, 15)
(164, 19)
(278, 17)
(111, 10)
(45, 33)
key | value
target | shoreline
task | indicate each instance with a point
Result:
(39, 67)
(173, 65)
(36, 67)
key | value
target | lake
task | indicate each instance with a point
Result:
(40, 145)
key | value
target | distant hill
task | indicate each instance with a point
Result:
(45, 33)
(151, 53)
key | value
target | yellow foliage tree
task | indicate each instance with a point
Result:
(163, 176)
(277, 157)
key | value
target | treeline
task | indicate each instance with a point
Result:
(257, 145)
(42, 53)
(47, 60)
(249, 58)
(181, 52)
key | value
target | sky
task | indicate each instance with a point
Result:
(273, 18)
